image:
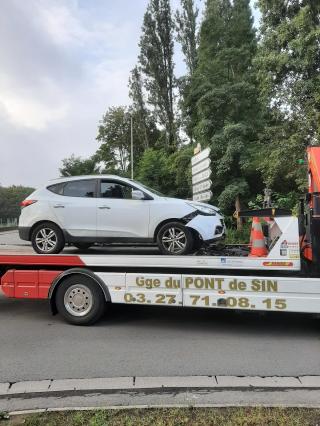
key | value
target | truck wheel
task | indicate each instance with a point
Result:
(175, 239)
(47, 238)
(80, 300)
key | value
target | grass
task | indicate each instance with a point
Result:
(233, 236)
(174, 417)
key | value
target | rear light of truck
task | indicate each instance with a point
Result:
(27, 203)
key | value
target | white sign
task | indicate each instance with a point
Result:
(201, 172)
(203, 165)
(203, 196)
(203, 186)
(201, 156)
(201, 176)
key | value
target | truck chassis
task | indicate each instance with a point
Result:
(286, 279)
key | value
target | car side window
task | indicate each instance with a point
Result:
(111, 189)
(80, 188)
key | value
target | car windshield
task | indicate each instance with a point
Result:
(150, 189)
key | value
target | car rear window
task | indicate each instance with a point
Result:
(57, 188)
(80, 188)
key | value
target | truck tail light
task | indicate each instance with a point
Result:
(27, 203)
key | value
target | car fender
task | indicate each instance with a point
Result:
(205, 225)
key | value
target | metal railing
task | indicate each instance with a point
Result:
(8, 223)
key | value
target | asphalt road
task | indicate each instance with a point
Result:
(153, 341)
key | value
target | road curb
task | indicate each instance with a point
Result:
(135, 384)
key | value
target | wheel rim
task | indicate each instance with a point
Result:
(46, 240)
(174, 240)
(78, 300)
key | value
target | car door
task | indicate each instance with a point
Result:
(76, 207)
(119, 216)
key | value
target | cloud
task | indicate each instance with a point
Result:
(22, 108)
(63, 63)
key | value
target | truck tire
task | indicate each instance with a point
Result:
(47, 238)
(80, 300)
(175, 239)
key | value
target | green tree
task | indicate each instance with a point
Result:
(154, 171)
(224, 88)
(76, 166)
(145, 127)
(186, 30)
(136, 94)
(289, 71)
(114, 138)
(180, 170)
(10, 199)
(156, 60)
(167, 173)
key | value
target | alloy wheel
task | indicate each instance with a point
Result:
(46, 240)
(174, 240)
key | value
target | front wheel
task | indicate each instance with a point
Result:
(80, 300)
(175, 239)
(47, 238)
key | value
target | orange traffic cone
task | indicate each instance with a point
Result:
(258, 247)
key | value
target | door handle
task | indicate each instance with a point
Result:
(104, 207)
(58, 206)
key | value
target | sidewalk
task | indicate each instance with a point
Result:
(179, 391)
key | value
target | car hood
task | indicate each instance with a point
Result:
(196, 203)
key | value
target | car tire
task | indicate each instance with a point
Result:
(80, 300)
(51, 236)
(82, 246)
(175, 239)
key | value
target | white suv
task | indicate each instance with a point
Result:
(84, 210)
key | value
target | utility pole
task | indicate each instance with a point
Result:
(131, 147)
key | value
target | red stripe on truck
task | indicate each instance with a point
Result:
(40, 259)
(28, 284)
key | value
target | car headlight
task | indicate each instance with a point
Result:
(202, 209)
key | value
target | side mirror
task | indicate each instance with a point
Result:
(138, 195)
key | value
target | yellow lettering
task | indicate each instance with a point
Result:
(242, 285)
(171, 283)
(264, 285)
(255, 285)
(188, 282)
(272, 285)
(209, 283)
(233, 285)
(219, 282)
(140, 281)
(198, 283)
(148, 282)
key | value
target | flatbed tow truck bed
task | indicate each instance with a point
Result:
(286, 279)
(75, 284)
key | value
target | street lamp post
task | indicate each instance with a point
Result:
(131, 147)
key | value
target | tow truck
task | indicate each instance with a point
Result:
(286, 278)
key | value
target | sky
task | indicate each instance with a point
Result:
(63, 63)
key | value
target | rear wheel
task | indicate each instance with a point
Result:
(80, 300)
(47, 238)
(175, 239)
